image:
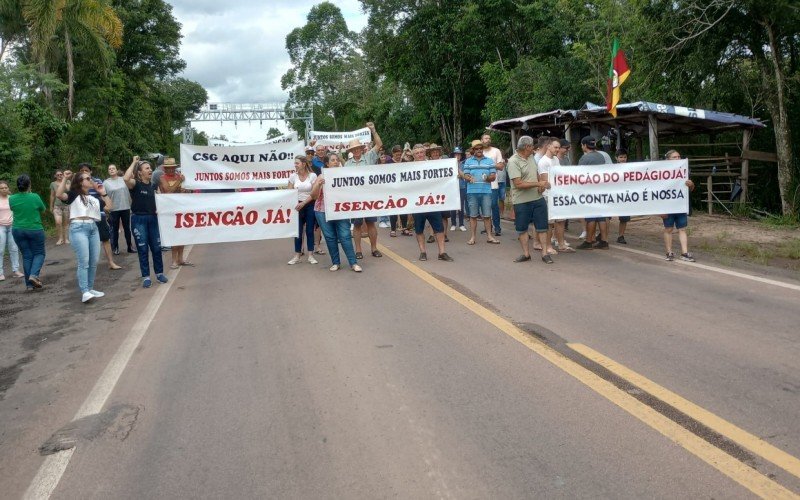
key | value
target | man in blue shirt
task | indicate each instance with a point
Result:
(479, 172)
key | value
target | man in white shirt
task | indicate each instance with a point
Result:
(499, 184)
(546, 162)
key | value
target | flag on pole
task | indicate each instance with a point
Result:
(617, 74)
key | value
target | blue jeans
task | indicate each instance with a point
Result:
(85, 240)
(31, 244)
(497, 195)
(145, 232)
(6, 239)
(460, 213)
(337, 231)
(305, 217)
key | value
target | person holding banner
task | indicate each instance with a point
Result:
(462, 191)
(592, 157)
(622, 157)
(433, 218)
(526, 195)
(171, 182)
(303, 180)
(139, 177)
(677, 221)
(546, 162)
(479, 172)
(336, 232)
(362, 158)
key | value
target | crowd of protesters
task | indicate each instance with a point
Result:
(89, 213)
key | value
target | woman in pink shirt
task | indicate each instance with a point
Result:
(6, 240)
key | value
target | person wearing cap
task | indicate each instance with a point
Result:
(529, 204)
(171, 182)
(433, 218)
(362, 158)
(498, 184)
(458, 215)
(677, 221)
(592, 157)
(105, 208)
(478, 172)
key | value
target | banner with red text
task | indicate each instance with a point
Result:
(189, 219)
(221, 167)
(646, 188)
(339, 139)
(396, 188)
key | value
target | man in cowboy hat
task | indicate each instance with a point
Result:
(479, 172)
(362, 158)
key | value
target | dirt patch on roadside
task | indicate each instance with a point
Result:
(726, 239)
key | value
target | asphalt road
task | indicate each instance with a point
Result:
(260, 380)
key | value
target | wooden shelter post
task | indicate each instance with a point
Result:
(652, 130)
(745, 178)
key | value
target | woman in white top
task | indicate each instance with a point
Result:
(84, 236)
(303, 180)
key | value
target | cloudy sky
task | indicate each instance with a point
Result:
(236, 50)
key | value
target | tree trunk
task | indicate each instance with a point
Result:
(70, 73)
(780, 119)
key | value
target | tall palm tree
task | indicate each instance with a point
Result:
(92, 24)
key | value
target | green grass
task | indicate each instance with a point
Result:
(782, 221)
(752, 252)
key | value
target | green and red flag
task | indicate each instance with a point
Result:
(617, 74)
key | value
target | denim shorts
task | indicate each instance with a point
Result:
(434, 218)
(624, 218)
(501, 191)
(679, 221)
(358, 222)
(531, 212)
(479, 202)
(597, 219)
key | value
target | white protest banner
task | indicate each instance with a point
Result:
(339, 138)
(282, 139)
(291, 137)
(397, 188)
(646, 188)
(214, 167)
(189, 218)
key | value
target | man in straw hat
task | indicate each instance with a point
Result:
(362, 157)
(433, 218)
(479, 172)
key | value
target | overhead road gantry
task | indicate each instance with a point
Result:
(247, 112)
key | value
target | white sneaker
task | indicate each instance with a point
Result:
(583, 235)
(463, 229)
(97, 294)
(87, 296)
(383, 224)
(357, 268)
(334, 268)
(452, 228)
(294, 260)
(311, 259)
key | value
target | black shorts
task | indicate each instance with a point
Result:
(103, 229)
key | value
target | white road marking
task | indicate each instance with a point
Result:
(54, 465)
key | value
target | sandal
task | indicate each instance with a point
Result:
(393, 233)
(174, 266)
(377, 253)
(407, 232)
(471, 242)
(319, 251)
(187, 263)
(359, 255)
(493, 241)
(431, 239)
